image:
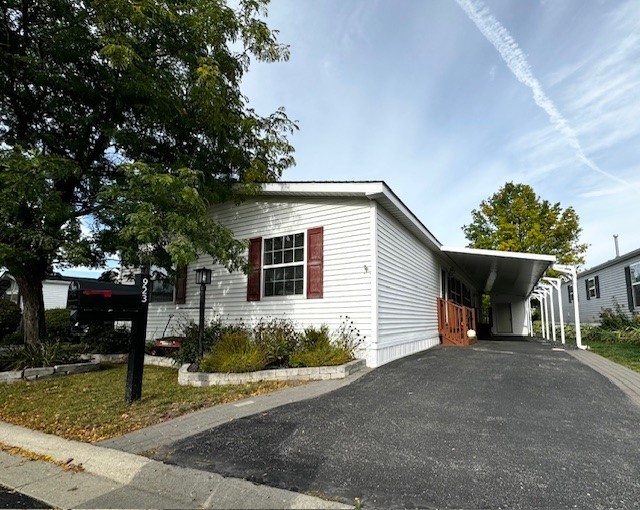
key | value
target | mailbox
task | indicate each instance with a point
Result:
(98, 301)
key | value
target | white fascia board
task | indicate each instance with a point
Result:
(388, 199)
(499, 253)
(322, 188)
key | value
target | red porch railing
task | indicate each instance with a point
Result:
(454, 321)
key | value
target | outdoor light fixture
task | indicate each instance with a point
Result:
(203, 278)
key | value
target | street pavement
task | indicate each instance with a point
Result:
(11, 499)
(501, 424)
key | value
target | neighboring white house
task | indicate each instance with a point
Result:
(54, 290)
(325, 251)
(608, 285)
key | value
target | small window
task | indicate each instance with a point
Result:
(635, 282)
(570, 293)
(283, 265)
(161, 291)
(593, 287)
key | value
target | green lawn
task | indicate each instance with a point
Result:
(90, 407)
(624, 354)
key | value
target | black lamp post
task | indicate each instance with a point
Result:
(203, 277)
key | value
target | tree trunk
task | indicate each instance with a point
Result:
(33, 309)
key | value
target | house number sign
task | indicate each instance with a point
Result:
(145, 288)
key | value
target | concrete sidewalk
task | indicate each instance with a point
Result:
(624, 378)
(114, 477)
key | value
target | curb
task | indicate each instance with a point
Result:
(190, 487)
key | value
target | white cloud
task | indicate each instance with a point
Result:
(517, 62)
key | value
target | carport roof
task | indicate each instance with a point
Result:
(500, 272)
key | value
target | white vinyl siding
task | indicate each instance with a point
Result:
(347, 262)
(55, 294)
(613, 289)
(408, 287)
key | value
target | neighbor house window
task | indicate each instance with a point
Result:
(283, 265)
(161, 291)
(593, 287)
(570, 293)
(635, 282)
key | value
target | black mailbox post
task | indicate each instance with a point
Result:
(91, 302)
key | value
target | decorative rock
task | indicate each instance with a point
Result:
(31, 374)
(76, 368)
(11, 376)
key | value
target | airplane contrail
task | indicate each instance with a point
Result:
(517, 62)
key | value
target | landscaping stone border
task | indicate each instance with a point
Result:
(161, 361)
(31, 374)
(187, 378)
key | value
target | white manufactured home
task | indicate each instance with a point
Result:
(324, 251)
(613, 284)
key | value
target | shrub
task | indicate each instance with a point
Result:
(59, 324)
(44, 354)
(316, 349)
(315, 338)
(234, 352)
(617, 319)
(10, 315)
(188, 352)
(105, 339)
(321, 355)
(278, 339)
(348, 336)
(16, 338)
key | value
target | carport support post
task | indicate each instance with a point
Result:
(557, 284)
(135, 365)
(571, 271)
(543, 315)
(549, 290)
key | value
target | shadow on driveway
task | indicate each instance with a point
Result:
(510, 424)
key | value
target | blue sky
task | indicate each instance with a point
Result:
(447, 100)
(413, 92)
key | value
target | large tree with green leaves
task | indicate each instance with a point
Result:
(121, 122)
(516, 219)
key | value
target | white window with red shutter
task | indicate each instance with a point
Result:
(286, 265)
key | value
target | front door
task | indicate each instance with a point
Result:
(504, 323)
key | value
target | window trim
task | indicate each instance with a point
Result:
(634, 284)
(264, 266)
(165, 282)
(593, 292)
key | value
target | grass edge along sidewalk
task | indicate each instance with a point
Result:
(90, 407)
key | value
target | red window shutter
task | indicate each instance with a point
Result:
(255, 261)
(181, 285)
(315, 262)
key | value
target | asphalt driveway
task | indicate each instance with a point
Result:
(502, 424)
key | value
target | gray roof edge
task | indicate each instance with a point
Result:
(617, 260)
